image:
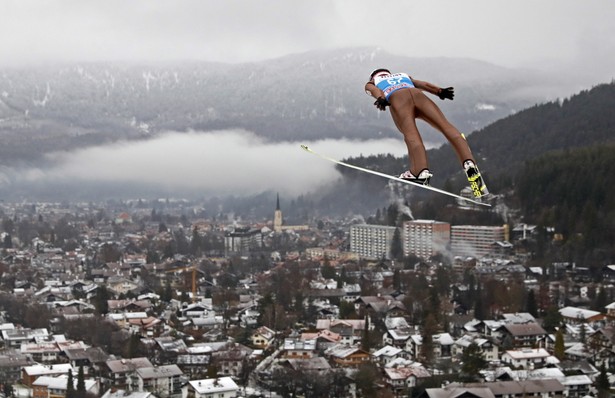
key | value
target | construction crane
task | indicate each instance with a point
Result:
(193, 269)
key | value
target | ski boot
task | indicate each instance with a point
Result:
(479, 189)
(422, 179)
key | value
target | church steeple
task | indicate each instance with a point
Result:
(277, 216)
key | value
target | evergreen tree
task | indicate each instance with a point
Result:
(133, 346)
(530, 304)
(366, 378)
(80, 383)
(327, 270)
(479, 310)
(397, 250)
(70, 386)
(101, 299)
(583, 335)
(195, 242)
(430, 327)
(552, 319)
(600, 301)
(559, 349)
(8, 389)
(365, 340)
(347, 310)
(473, 361)
(397, 279)
(602, 383)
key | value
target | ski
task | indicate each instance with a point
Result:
(393, 178)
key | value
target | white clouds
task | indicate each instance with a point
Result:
(224, 162)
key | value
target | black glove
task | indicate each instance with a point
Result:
(446, 93)
(381, 103)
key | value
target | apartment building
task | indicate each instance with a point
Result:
(425, 238)
(371, 241)
(476, 240)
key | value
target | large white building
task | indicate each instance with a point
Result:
(371, 241)
(475, 240)
(222, 387)
(243, 240)
(425, 238)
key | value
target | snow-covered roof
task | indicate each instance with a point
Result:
(578, 313)
(387, 351)
(212, 386)
(528, 353)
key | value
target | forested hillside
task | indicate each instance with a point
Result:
(573, 192)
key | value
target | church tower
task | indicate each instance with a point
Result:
(277, 216)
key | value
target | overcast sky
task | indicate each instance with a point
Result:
(511, 33)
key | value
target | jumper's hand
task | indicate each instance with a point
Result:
(381, 103)
(446, 93)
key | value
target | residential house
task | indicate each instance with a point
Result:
(119, 370)
(520, 335)
(324, 339)
(528, 388)
(121, 306)
(198, 310)
(577, 386)
(160, 380)
(55, 386)
(347, 356)
(442, 345)
(14, 338)
(120, 285)
(382, 306)
(529, 358)
(608, 273)
(221, 387)
(404, 377)
(30, 373)
(11, 364)
(601, 344)
(350, 330)
(298, 348)
(169, 348)
(487, 347)
(458, 391)
(232, 358)
(249, 317)
(576, 315)
(387, 354)
(113, 393)
(44, 352)
(195, 361)
(91, 359)
(262, 337)
(146, 327)
(314, 364)
(398, 331)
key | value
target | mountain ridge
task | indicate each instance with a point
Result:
(311, 95)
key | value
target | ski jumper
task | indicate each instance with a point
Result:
(409, 102)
